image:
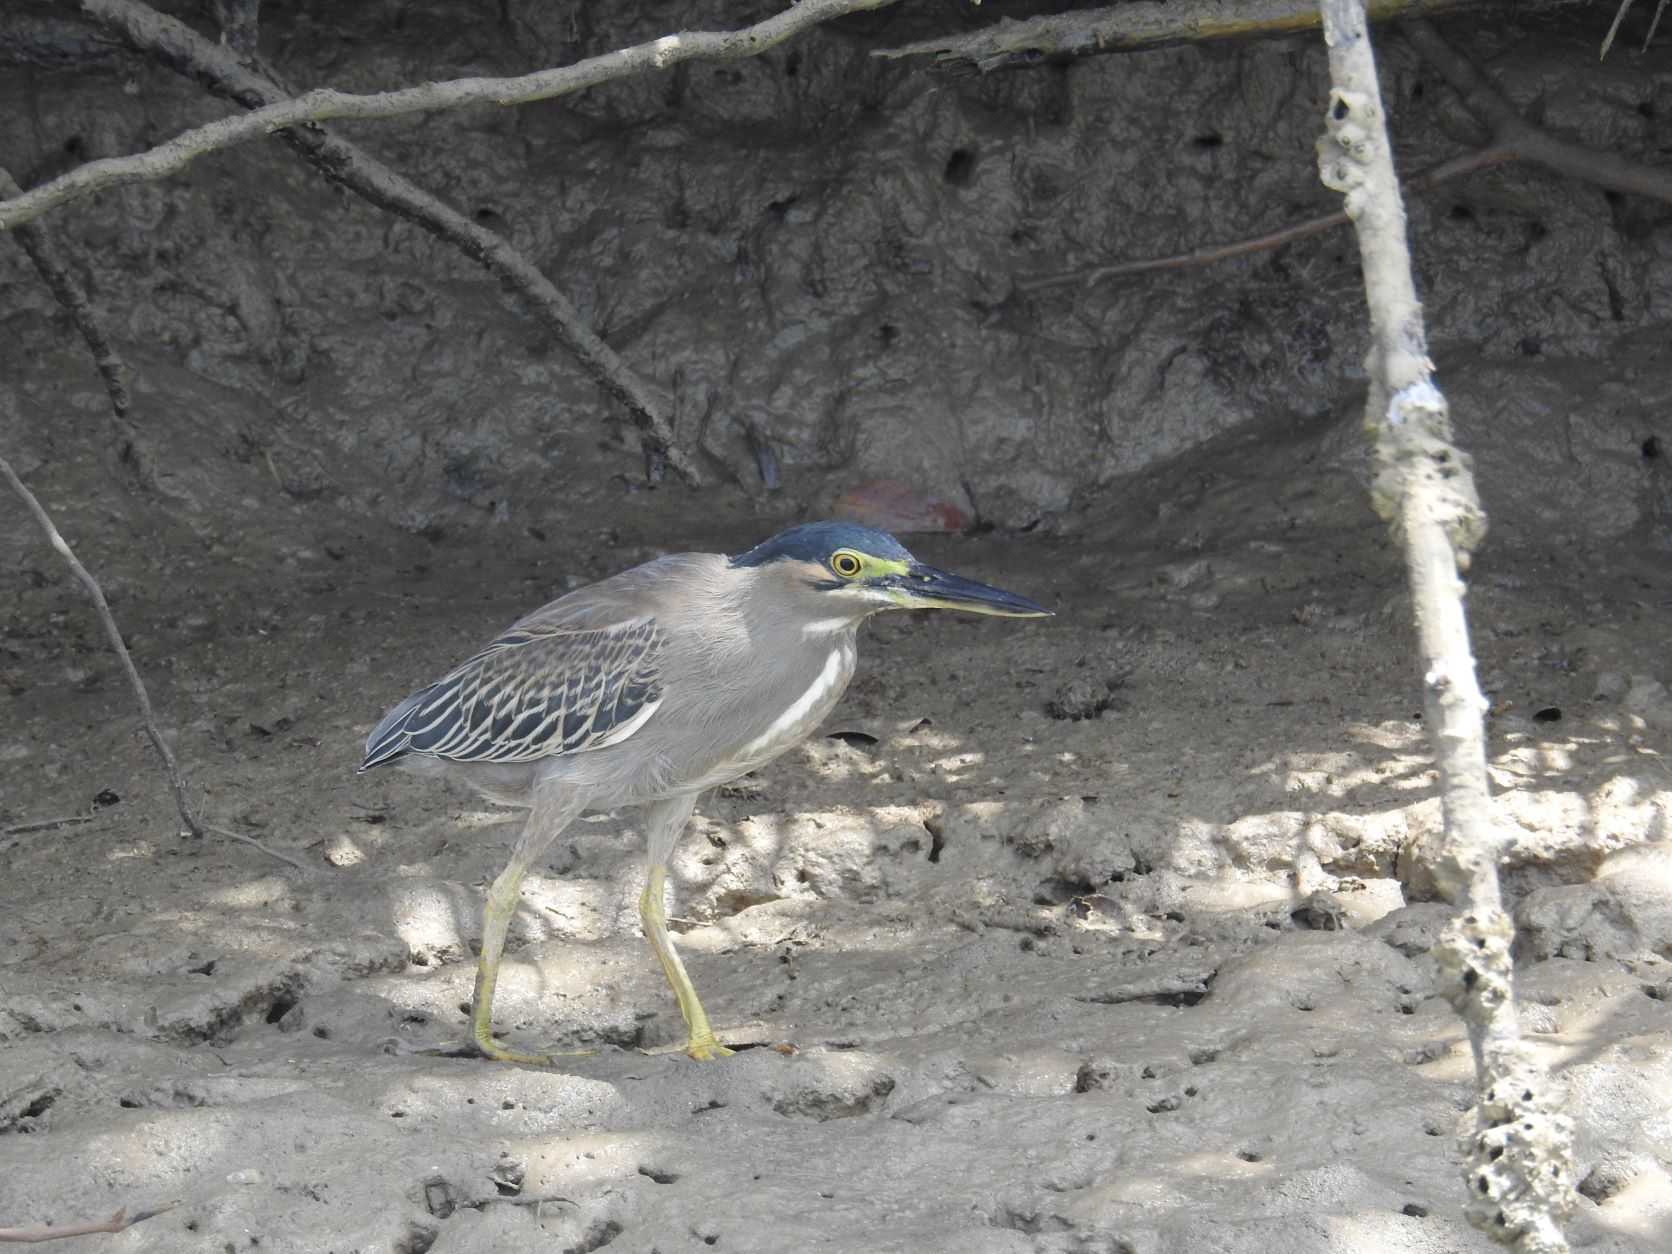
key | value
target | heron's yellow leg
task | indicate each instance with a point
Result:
(544, 821)
(700, 1044)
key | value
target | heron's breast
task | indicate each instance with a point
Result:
(735, 728)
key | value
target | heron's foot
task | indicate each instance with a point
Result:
(707, 1049)
(490, 1048)
(701, 1048)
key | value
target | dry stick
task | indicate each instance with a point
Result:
(325, 103)
(113, 634)
(1498, 115)
(1145, 24)
(119, 1222)
(1519, 1167)
(1433, 176)
(55, 273)
(219, 70)
(1513, 139)
(45, 825)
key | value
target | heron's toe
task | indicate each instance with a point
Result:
(707, 1050)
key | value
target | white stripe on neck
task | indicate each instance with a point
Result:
(796, 715)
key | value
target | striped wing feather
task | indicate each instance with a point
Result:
(534, 692)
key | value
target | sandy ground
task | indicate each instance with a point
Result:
(1148, 981)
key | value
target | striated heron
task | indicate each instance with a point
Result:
(648, 688)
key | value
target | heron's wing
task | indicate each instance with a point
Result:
(538, 690)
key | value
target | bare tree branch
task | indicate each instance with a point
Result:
(1498, 115)
(121, 1221)
(1147, 24)
(142, 698)
(55, 273)
(1433, 176)
(350, 166)
(324, 103)
(1513, 139)
(1519, 1164)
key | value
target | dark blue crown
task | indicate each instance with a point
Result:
(816, 541)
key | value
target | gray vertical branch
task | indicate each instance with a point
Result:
(1518, 1166)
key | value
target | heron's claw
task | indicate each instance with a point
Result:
(707, 1050)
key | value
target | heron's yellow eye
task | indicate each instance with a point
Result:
(846, 564)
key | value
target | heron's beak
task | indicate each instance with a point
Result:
(925, 588)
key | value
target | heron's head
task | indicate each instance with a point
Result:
(850, 571)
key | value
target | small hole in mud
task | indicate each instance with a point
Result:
(857, 739)
(129, 1103)
(792, 65)
(464, 1008)
(1549, 714)
(207, 968)
(397, 1114)
(1249, 1156)
(280, 1008)
(1652, 448)
(322, 1032)
(959, 167)
(1461, 213)
(1414, 1211)
(1208, 141)
(662, 1177)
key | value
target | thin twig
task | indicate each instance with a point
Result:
(118, 646)
(119, 1222)
(253, 843)
(55, 273)
(350, 166)
(1613, 28)
(1519, 1155)
(1499, 116)
(1145, 24)
(1433, 176)
(323, 104)
(67, 291)
(1513, 139)
(45, 825)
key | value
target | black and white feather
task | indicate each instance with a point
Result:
(537, 691)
